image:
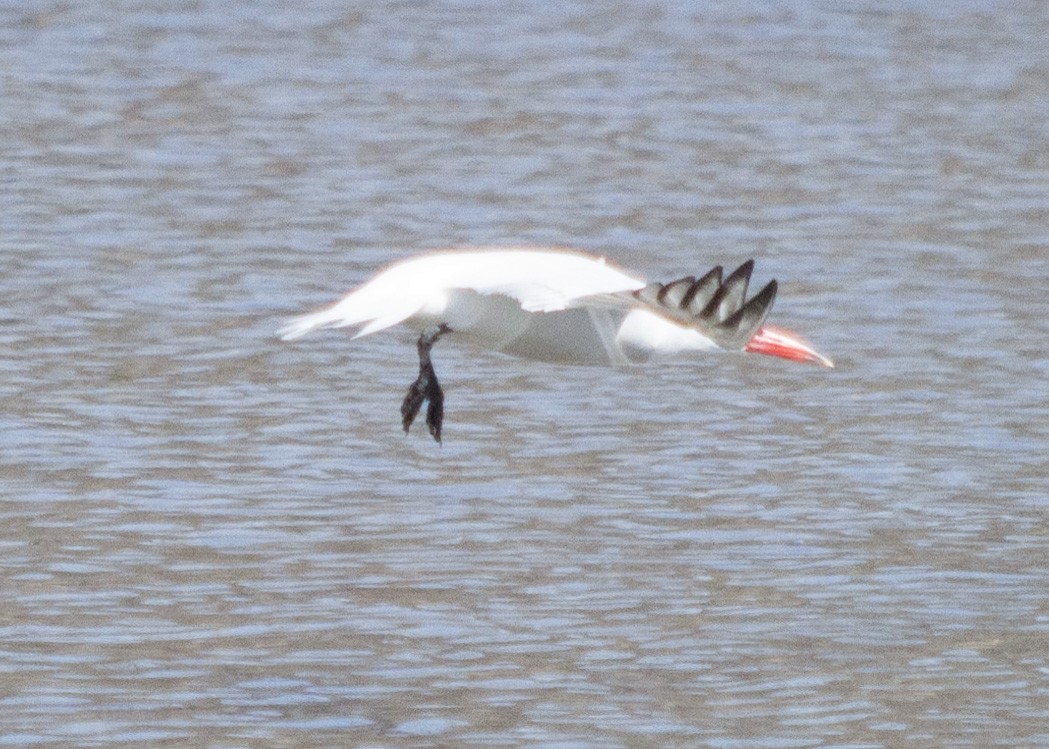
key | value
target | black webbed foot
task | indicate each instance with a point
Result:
(425, 388)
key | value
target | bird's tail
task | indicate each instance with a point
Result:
(372, 311)
(300, 326)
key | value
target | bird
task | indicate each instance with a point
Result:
(557, 305)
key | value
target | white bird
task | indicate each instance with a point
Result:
(554, 305)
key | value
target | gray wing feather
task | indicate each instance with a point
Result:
(729, 297)
(703, 291)
(674, 292)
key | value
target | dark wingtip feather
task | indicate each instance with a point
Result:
(675, 292)
(702, 291)
(730, 296)
(749, 318)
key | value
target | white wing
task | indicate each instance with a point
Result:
(539, 279)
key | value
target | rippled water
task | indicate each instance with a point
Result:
(213, 538)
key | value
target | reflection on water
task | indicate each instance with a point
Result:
(213, 537)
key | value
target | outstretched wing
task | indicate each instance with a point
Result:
(540, 280)
(717, 309)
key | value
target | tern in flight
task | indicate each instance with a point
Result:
(555, 305)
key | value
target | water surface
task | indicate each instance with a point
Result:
(214, 538)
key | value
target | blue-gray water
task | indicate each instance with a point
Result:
(213, 538)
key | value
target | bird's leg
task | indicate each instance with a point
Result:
(425, 387)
